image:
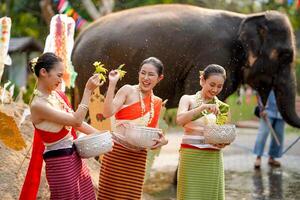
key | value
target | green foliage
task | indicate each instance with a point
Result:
(170, 117)
(25, 24)
(28, 21)
(293, 130)
(291, 10)
(29, 89)
(244, 111)
(241, 6)
(26, 18)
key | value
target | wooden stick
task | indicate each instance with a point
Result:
(272, 130)
(28, 151)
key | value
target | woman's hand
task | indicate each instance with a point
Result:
(212, 108)
(93, 82)
(113, 76)
(263, 114)
(161, 141)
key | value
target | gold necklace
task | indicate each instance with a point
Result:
(143, 107)
(198, 99)
(53, 99)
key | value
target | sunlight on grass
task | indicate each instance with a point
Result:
(244, 111)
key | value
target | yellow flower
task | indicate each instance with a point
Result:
(99, 69)
(121, 72)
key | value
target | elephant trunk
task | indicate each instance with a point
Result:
(285, 92)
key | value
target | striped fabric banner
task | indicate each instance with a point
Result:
(122, 174)
(68, 178)
(200, 175)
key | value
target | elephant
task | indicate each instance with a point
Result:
(256, 49)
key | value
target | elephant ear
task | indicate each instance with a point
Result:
(252, 34)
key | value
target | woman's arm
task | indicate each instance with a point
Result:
(86, 128)
(41, 110)
(184, 115)
(112, 102)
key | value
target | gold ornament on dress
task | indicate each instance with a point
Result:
(54, 99)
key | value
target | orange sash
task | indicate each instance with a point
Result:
(134, 111)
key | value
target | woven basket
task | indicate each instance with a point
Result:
(220, 134)
(94, 144)
(141, 136)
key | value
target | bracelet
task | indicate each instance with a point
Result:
(83, 106)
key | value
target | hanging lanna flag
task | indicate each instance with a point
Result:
(291, 2)
(5, 26)
(64, 7)
(60, 41)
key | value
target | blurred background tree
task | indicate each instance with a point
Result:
(29, 18)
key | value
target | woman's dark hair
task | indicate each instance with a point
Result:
(156, 63)
(213, 69)
(46, 61)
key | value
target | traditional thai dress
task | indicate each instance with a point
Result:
(123, 169)
(66, 173)
(201, 171)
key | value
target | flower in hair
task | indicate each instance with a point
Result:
(33, 62)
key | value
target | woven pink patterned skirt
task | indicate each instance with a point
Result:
(68, 178)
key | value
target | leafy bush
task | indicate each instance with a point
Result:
(29, 89)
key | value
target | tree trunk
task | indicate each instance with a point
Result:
(47, 11)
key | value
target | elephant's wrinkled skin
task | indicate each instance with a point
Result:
(255, 49)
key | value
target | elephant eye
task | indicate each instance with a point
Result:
(286, 57)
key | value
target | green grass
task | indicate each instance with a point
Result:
(293, 130)
(244, 111)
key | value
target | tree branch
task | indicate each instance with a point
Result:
(107, 7)
(91, 9)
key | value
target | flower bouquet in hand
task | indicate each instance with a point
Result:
(120, 71)
(102, 71)
(99, 69)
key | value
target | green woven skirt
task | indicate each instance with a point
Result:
(200, 175)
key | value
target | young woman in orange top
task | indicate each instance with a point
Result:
(123, 170)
